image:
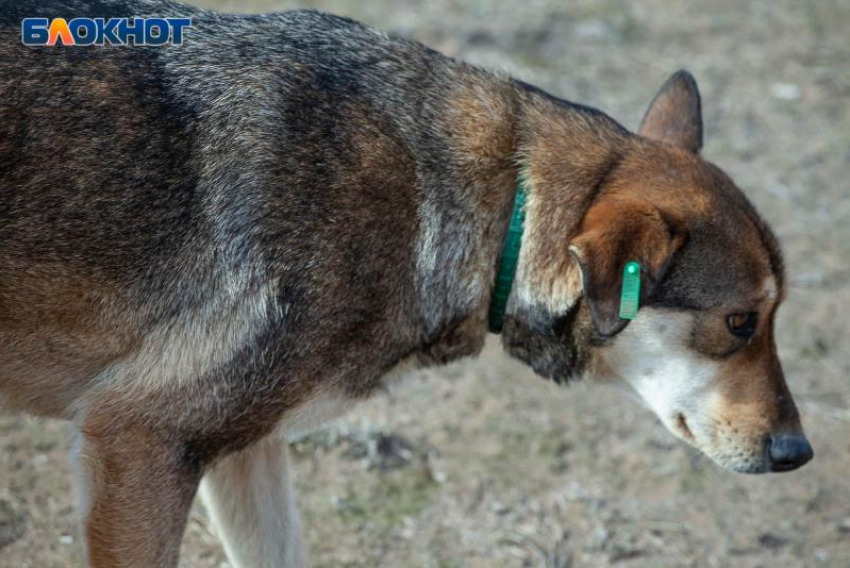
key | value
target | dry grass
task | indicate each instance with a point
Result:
(485, 465)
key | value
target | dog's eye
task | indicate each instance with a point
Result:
(742, 324)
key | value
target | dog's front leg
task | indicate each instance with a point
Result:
(135, 487)
(249, 496)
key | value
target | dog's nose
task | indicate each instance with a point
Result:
(787, 452)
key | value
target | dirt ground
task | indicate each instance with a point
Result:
(484, 465)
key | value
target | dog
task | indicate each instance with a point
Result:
(208, 247)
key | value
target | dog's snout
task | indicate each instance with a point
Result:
(787, 452)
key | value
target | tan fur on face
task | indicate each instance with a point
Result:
(722, 394)
(771, 290)
(726, 408)
(751, 402)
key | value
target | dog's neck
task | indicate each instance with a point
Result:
(501, 130)
(566, 152)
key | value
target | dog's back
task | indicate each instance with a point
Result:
(258, 171)
(197, 241)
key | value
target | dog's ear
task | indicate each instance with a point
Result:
(613, 234)
(675, 114)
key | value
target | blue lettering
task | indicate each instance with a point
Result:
(34, 31)
(177, 25)
(108, 31)
(136, 30)
(162, 28)
(114, 31)
(80, 25)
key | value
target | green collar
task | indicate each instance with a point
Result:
(508, 263)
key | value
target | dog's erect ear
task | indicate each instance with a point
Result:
(675, 114)
(612, 235)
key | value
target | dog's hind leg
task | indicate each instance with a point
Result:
(135, 488)
(249, 496)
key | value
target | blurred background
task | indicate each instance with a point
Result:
(485, 465)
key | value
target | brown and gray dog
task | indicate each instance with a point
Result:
(209, 247)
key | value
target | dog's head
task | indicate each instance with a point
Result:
(701, 351)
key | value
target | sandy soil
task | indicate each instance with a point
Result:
(486, 465)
